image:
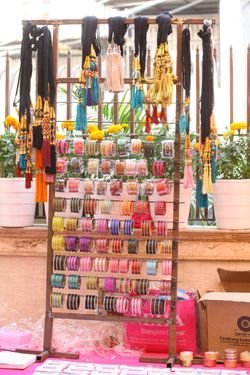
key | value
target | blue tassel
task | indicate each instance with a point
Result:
(133, 98)
(81, 117)
(95, 91)
(202, 199)
(183, 122)
(140, 98)
(213, 167)
(22, 162)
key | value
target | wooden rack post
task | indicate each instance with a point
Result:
(50, 315)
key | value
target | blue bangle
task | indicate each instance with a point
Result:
(151, 267)
(115, 226)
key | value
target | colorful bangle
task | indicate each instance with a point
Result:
(141, 207)
(163, 187)
(71, 243)
(126, 208)
(148, 149)
(167, 148)
(115, 226)
(151, 267)
(136, 146)
(141, 168)
(122, 305)
(89, 187)
(57, 224)
(114, 265)
(93, 166)
(132, 246)
(132, 187)
(136, 266)
(101, 265)
(119, 168)
(90, 302)
(75, 205)
(116, 187)
(73, 185)
(87, 225)
(78, 146)
(102, 226)
(128, 227)
(57, 280)
(106, 167)
(85, 244)
(151, 246)
(102, 245)
(109, 284)
(166, 247)
(106, 207)
(130, 167)
(165, 287)
(56, 300)
(86, 264)
(73, 301)
(101, 187)
(159, 168)
(57, 243)
(74, 282)
(73, 263)
(89, 206)
(108, 149)
(59, 204)
(116, 245)
(166, 268)
(59, 262)
(71, 223)
(60, 185)
(61, 165)
(136, 306)
(91, 148)
(146, 228)
(162, 228)
(123, 265)
(160, 208)
(92, 283)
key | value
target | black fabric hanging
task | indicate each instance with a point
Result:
(141, 29)
(164, 27)
(117, 31)
(186, 61)
(89, 37)
(207, 90)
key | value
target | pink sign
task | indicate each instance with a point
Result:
(154, 337)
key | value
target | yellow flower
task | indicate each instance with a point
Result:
(149, 138)
(66, 124)
(60, 137)
(231, 132)
(114, 128)
(196, 146)
(124, 126)
(238, 126)
(91, 128)
(97, 135)
(225, 134)
(218, 142)
(11, 121)
(71, 126)
(228, 133)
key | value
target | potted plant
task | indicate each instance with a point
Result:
(17, 203)
(231, 192)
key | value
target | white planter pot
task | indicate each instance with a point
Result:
(17, 204)
(232, 204)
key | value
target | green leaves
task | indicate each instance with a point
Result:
(7, 155)
(232, 160)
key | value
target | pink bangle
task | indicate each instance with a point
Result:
(87, 225)
(167, 268)
(78, 146)
(114, 265)
(160, 208)
(73, 185)
(85, 264)
(123, 265)
(102, 245)
(162, 228)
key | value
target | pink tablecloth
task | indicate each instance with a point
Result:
(113, 358)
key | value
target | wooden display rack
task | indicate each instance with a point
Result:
(51, 314)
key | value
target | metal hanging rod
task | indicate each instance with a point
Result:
(104, 21)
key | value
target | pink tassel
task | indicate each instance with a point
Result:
(155, 115)
(46, 153)
(188, 180)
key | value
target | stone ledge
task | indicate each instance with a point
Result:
(190, 234)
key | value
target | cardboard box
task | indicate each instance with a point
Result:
(234, 281)
(228, 320)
